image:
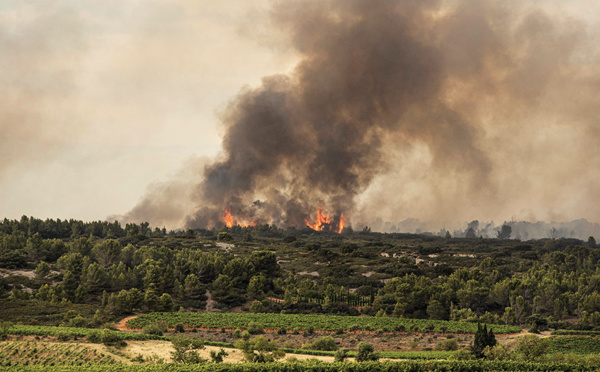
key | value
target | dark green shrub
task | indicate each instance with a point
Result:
(109, 337)
(322, 343)
(4, 329)
(448, 345)
(255, 328)
(94, 336)
(366, 352)
(341, 355)
(153, 329)
(354, 328)
(63, 336)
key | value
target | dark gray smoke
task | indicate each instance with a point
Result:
(369, 69)
(442, 111)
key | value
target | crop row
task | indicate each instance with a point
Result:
(297, 322)
(74, 332)
(577, 345)
(14, 353)
(413, 355)
(573, 332)
(406, 366)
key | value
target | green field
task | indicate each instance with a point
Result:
(13, 353)
(577, 345)
(297, 322)
(73, 332)
(567, 332)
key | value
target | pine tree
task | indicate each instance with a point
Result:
(193, 290)
(80, 294)
(69, 285)
(399, 309)
(178, 291)
(165, 302)
(151, 299)
(44, 293)
(104, 302)
(97, 319)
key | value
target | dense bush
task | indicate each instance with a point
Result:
(322, 343)
(448, 345)
(255, 328)
(366, 352)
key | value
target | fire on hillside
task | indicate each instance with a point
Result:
(323, 222)
(230, 221)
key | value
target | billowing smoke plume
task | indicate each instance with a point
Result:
(440, 110)
(314, 138)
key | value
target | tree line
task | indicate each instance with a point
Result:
(136, 268)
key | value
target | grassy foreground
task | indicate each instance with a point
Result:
(409, 366)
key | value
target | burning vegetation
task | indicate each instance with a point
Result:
(230, 221)
(323, 223)
(435, 101)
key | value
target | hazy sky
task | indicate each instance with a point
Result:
(101, 100)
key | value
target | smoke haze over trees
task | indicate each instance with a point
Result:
(441, 111)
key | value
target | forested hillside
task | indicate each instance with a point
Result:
(50, 267)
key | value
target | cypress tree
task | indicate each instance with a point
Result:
(482, 339)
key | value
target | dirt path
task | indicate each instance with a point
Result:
(511, 338)
(524, 332)
(122, 326)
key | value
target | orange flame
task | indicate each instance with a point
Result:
(230, 221)
(324, 223)
(228, 218)
(342, 223)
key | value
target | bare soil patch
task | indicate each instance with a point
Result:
(122, 326)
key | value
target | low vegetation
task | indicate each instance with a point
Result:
(577, 345)
(315, 366)
(331, 323)
(68, 333)
(31, 352)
